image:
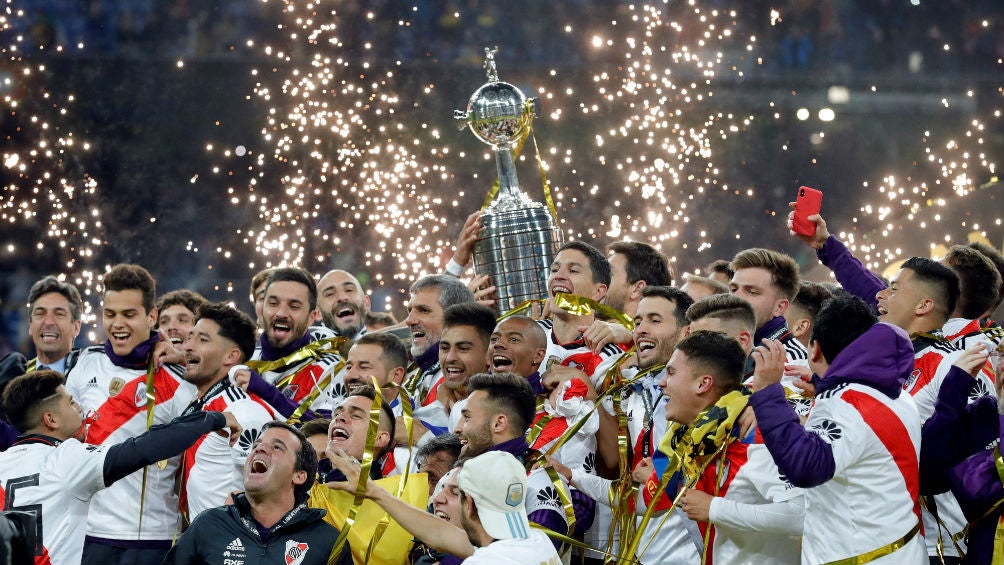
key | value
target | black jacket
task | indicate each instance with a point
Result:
(227, 535)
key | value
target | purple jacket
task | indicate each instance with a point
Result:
(881, 358)
(850, 273)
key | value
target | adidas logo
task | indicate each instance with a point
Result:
(93, 382)
(235, 545)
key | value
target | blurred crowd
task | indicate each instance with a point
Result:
(863, 35)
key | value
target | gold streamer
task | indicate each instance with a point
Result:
(364, 473)
(294, 418)
(521, 307)
(999, 532)
(582, 306)
(312, 350)
(406, 414)
(534, 457)
(151, 399)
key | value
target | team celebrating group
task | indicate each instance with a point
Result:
(744, 417)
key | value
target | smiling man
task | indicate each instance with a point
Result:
(518, 345)
(430, 296)
(112, 381)
(343, 303)
(768, 280)
(578, 269)
(176, 312)
(54, 309)
(269, 522)
(221, 338)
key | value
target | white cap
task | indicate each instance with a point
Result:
(497, 483)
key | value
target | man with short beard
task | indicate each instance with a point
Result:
(496, 417)
(343, 303)
(54, 309)
(288, 355)
(660, 322)
(269, 522)
(221, 338)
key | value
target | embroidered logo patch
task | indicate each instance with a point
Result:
(295, 552)
(514, 496)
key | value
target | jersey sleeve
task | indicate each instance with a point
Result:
(839, 425)
(767, 479)
(82, 468)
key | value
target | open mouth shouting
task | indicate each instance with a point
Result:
(338, 434)
(345, 312)
(501, 362)
(282, 329)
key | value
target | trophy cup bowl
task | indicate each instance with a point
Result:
(498, 114)
(518, 237)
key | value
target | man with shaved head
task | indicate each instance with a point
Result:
(343, 303)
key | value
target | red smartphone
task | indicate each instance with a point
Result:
(808, 202)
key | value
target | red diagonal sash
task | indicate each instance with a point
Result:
(894, 436)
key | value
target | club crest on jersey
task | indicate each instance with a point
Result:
(140, 397)
(290, 391)
(913, 378)
(114, 387)
(295, 552)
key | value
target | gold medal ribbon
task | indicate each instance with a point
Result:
(312, 350)
(364, 473)
(151, 399)
(582, 306)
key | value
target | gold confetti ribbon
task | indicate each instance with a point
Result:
(312, 350)
(294, 418)
(406, 414)
(364, 473)
(582, 306)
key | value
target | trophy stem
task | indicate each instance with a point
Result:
(508, 183)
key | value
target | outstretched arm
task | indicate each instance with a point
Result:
(163, 442)
(850, 273)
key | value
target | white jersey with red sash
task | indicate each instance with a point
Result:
(675, 539)
(115, 512)
(299, 378)
(933, 357)
(212, 467)
(746, 475)
(577, 355)
(54, 481)
(873, 498)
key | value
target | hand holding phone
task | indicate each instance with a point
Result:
(808, 202)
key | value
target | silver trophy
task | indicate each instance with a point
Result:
(518, 237)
